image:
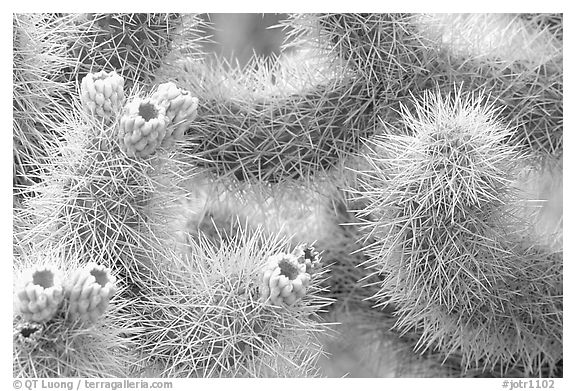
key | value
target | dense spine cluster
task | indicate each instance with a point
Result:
(397, 56)
(132, 44)
(203, 315)
(39, 91)
(249, 128)
(451, 252)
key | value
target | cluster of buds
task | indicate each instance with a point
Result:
(42, 290)
(40, 293)
(90, 290)
(102, 94)
(146, 123)
(159, 120)
(286, 277)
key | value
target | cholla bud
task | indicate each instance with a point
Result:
(284, 279)
(180, 104)
(28, 333)
(40, 293)
(181, 109)
(142, 127)
(309, 256)
(89, 291)
(102, 93)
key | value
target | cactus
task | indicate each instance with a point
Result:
(277, 133)
(91, 207)
(202, 313)
(396, 56)
(54, 52)
(90, 201)
(441, 203)
(522, 69)
(407, 158)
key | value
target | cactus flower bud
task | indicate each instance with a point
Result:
(102, 93)
(28, 333)
(181, 109)
(89, 291)
(40, 293)
(284, 279)
(142, 127)
(309, 256)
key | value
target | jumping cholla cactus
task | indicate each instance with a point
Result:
(452, 253)
(54, 52)
(211, 298)
(198, 269)
(92, 204)
(400, 56)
